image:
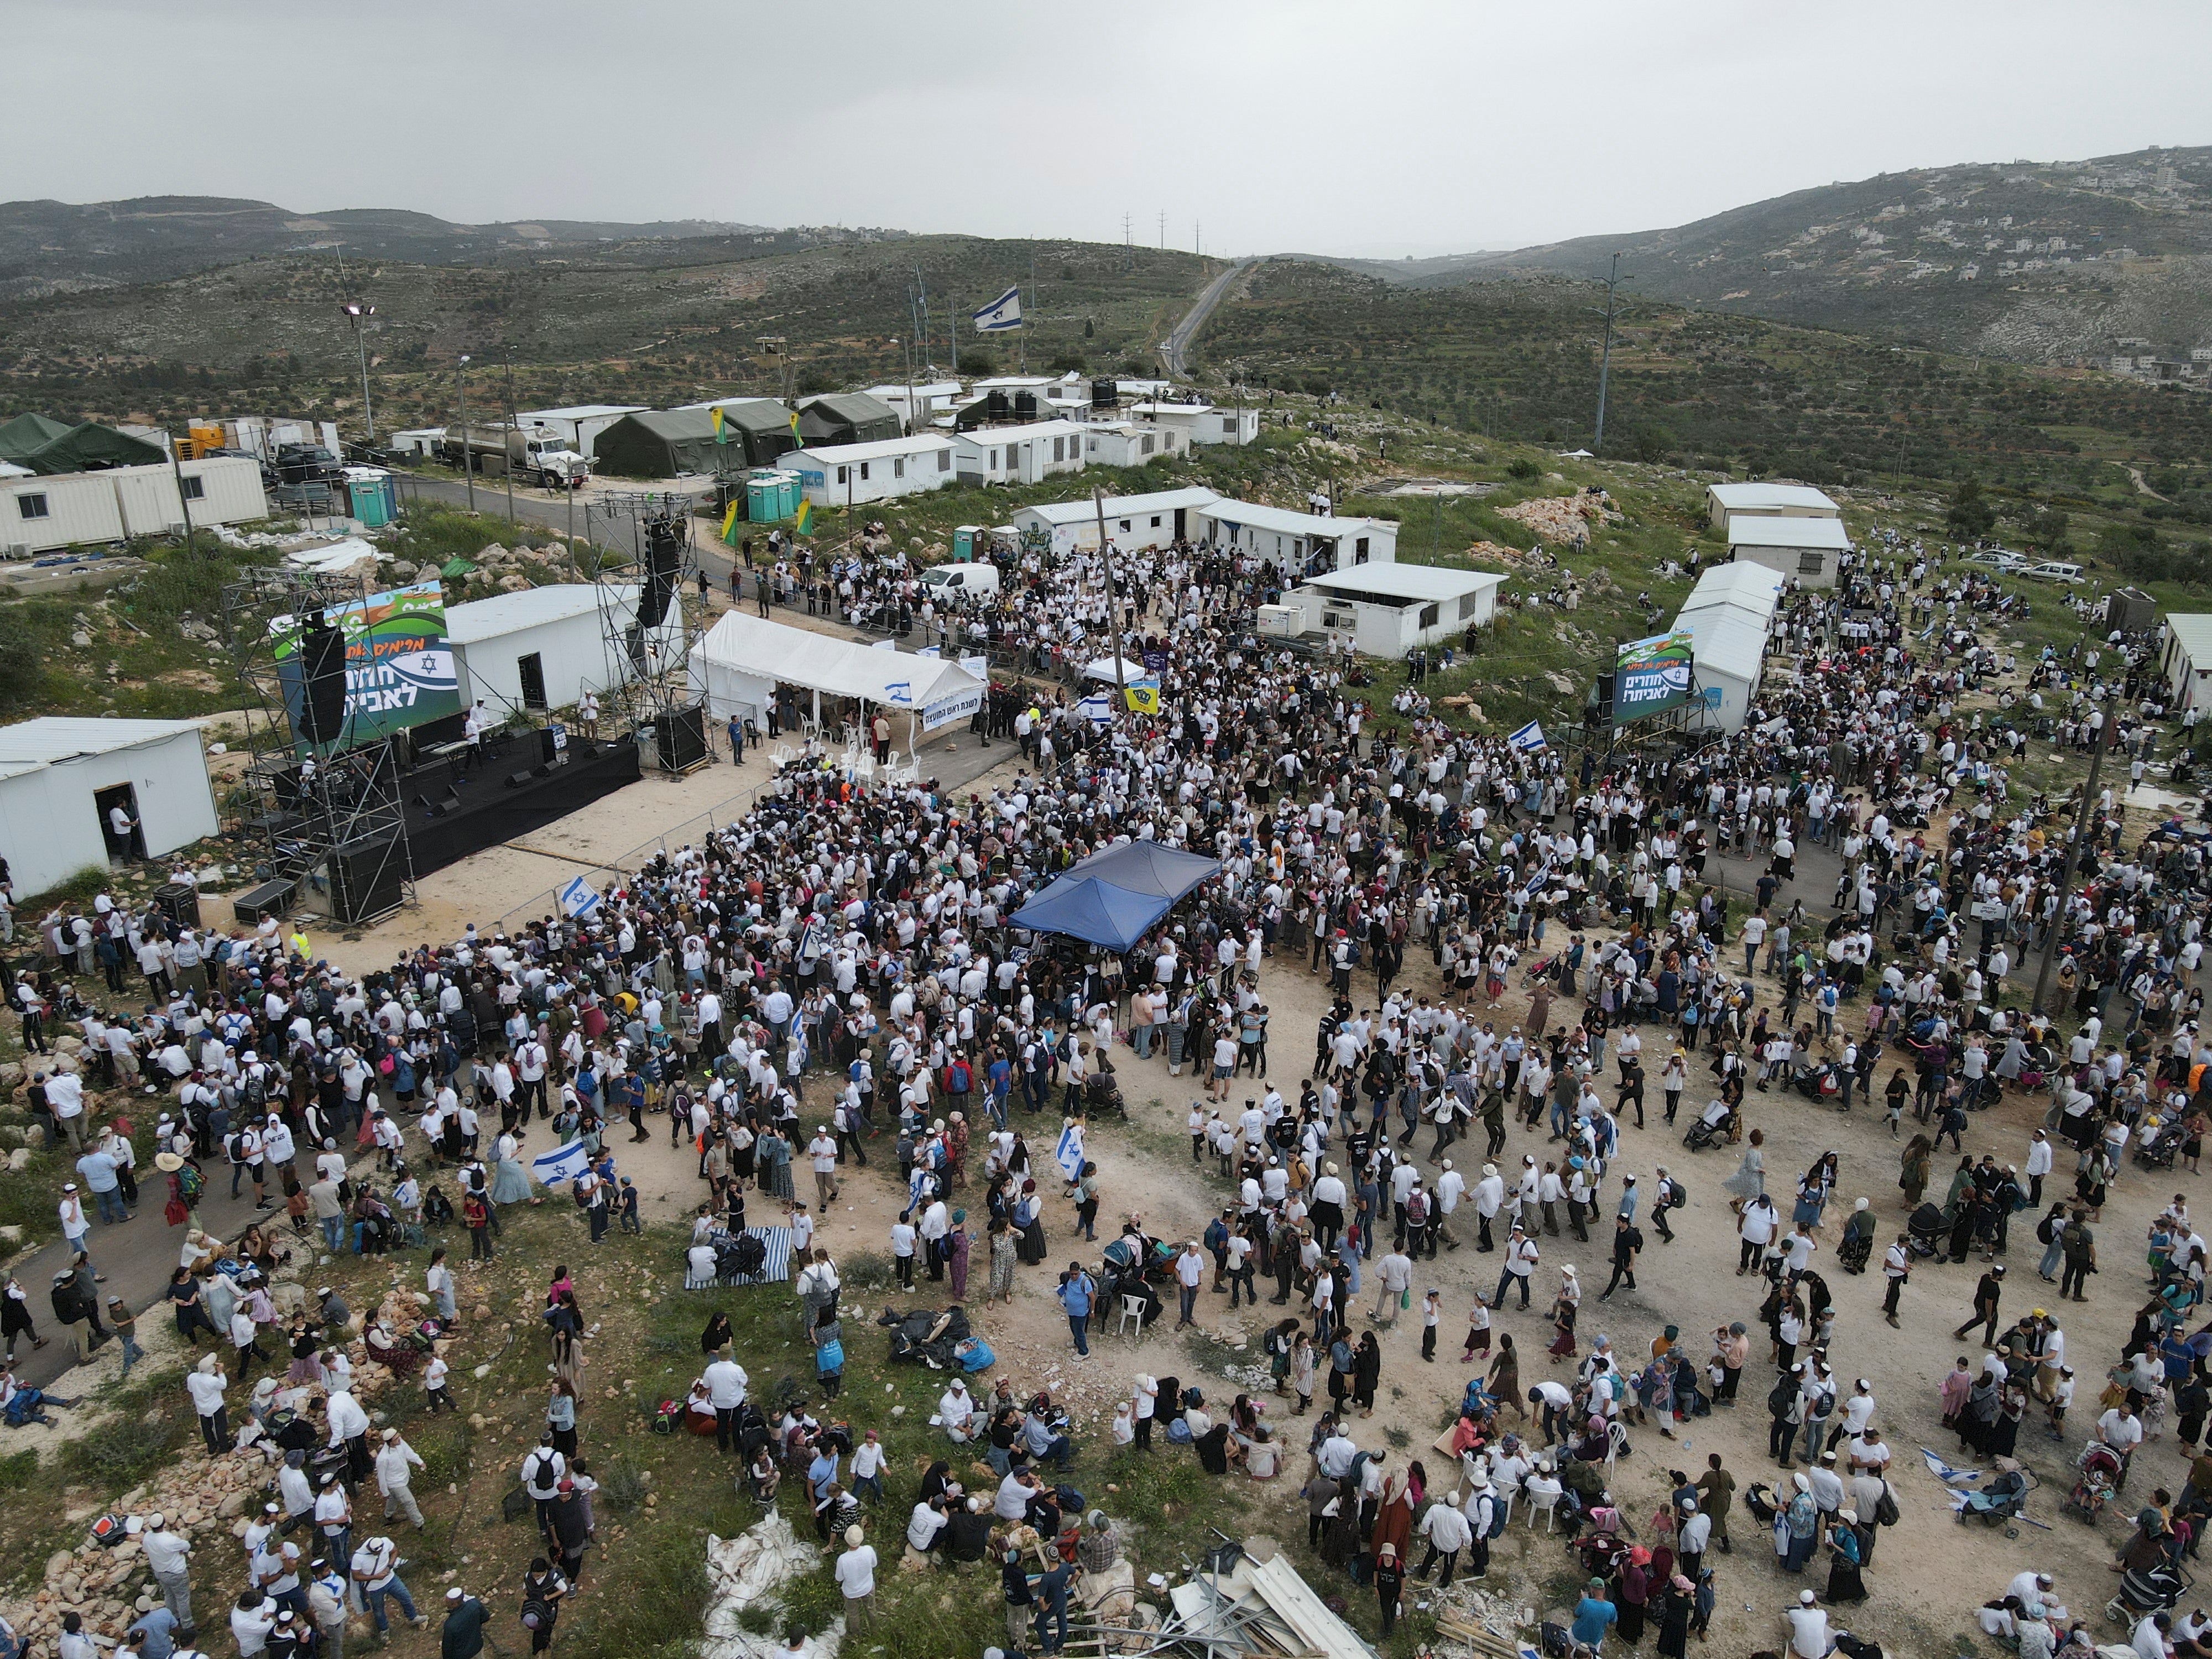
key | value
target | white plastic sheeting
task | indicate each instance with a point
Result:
(747, 1570)
(738, 663)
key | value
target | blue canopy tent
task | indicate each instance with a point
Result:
(1113, 898)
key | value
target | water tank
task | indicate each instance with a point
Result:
(1104, 394)
(994, 405)
(1026, 407)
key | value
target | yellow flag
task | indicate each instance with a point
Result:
(804, 524)
(730, 521)
(1143, 696)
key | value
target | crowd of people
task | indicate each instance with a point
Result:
(842, 960)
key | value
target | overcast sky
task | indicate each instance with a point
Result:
(1379, 127)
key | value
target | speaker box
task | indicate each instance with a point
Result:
(367, 877)
(520, 780)
(180, 903)
(270, 898)
(680, 737)
(664, 564)
(322, 670)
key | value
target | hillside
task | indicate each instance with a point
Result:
(2056, 262)
(48, 246)
(1520, 359)
(267, 331)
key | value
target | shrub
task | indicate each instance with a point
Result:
(1521, 467)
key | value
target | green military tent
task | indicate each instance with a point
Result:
(48, 446)
(847, 417)
(763, 425)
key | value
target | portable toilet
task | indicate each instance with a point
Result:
(762, 498)
(371, 497)
(965, 542)
(794, 484)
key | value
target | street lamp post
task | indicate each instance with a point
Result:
(468, 460)
(358, 314)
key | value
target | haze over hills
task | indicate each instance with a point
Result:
(2060, 262)
(48, 246)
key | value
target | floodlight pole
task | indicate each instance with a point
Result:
(507, 356)
(1106, 554)
(468, 461)
(1605, 358)
(2073, 851)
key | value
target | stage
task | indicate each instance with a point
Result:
(484, 811)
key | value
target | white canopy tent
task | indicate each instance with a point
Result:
(738, 663)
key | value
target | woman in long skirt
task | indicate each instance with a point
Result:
(1673, 1616)
(1029, 1211)
(1749, 1180)
(955, 1255)
(1563, 1313)
(510, 1181)
(1846, 1583)
(1002, 1263)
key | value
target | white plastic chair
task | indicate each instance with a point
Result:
(1545, 1504)
(1133, 1313)
(864, 768)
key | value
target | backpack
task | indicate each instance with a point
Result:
(1782, 1397)
(830, 1357)
(1677, 1194)
(2046, 1229)
(234, 1148)
(1885, 1509)
(665, 1416)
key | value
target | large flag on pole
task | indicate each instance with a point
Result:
(1143, 696)
(720, 422)
(803, 525)
(730, 522)
(1003, 312)
(561, 1164)
(1528, 739)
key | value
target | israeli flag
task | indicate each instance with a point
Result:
(561, 1164)
(578, 899)
(1528, 739)
(899, 693)
(1069, 1153)
(1097, 708)
(1003, 312)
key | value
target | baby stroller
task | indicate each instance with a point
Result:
(1703, 1133)
(2158, 1149)
(1924, 1230)
(2006, 1497)
(1102, 1094)
(2093, 1487)
(2154, 1591)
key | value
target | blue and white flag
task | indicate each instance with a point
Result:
(899, 693)
(561, 1164)
(1003, 312)
(1528, 739)
(578, 899)
(1069, 1153)
(1097, 708)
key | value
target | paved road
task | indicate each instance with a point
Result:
(1179, 338)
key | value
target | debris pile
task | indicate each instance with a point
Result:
(749, 1569)
(1489, 1626)
(1565, 518)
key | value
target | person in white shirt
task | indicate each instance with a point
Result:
(1808, 1629)
(726, 1382)
(925, 1524)
(169, 1556)
(956, 1411)
(206, 1384)
(856, 1578)
(395, 1462)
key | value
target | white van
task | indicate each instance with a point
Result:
(2055, 570)
(964, 581)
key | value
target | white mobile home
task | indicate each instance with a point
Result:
(930, 400)
(835, 474)
(1299, 545)
(537, 650)
(1766, 501)
(1123, 443)
(1132, 521)
(2185, 660)
(1388, 609)
(59, 777)
(62, 509)
(578, 425)
(1749, 587)
(219, 489)
(1809, 552)
(418, 441)
(1017, 454)
(1729, 657)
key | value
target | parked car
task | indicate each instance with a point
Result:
(1997, 559)
(2055, 570)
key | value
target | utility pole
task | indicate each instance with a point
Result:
(468, 460)
(177, 470)
(1163, 231)
(507, 356)
(1106, 555)
(1605, 360)
(2074, 850)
